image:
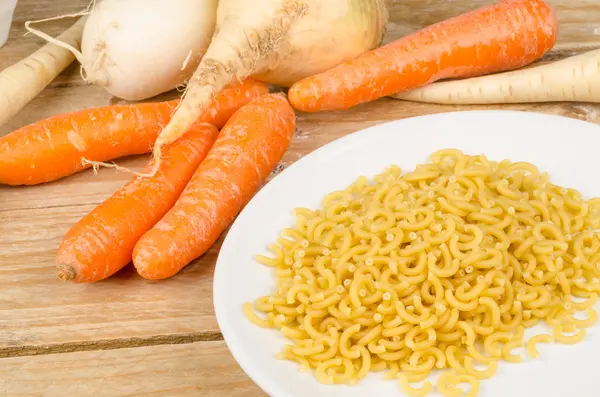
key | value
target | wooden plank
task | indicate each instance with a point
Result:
(195, 369)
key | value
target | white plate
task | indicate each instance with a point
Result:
(566, 148)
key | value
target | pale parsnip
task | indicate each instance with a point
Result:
(23, 81)
(574, 79)
(278, 42)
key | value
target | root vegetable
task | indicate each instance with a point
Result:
(23, 81)
(137, 49)
(101, 243)
(248, 148)
(575, 79)
(54, 148)
(499, 37)
(279, 42)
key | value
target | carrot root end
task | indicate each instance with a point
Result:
(65, 272)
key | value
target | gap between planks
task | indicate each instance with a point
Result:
(45, 207)
(111, 344)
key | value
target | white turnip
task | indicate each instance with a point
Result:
(137, 49)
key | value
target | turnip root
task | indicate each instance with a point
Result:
(575, 79)
(23, 81)
(137, 49)
(277, 42)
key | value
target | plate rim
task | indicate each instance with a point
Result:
(265, 383)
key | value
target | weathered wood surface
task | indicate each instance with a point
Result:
(150, 371)
(39, 314)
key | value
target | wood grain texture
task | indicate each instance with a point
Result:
(579, 19)
(40, 314)
(197, 369)
(37, 311)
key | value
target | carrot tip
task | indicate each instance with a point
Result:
(65, 272)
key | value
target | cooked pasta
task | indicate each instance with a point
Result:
(411, 391)
(480, 374)
(530, 346)
(442, 267)
(506, 351)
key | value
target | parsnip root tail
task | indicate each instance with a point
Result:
(89, 73)
(97, 164)
(157, 159)
(78, 55)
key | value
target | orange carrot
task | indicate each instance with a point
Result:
(248, 148)
(101, 243)
(499, 37)
(54, 148)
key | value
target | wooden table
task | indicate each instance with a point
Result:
(127, 336)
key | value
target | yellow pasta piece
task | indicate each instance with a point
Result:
(412, 391)
(421, 345)
(480, 374)
(409, 317)
(585, 305)
(530, 346)
(508, 346)
(568, 339)
(393, 371)
(349, 372)
(375, 367)
(452, 359)
(413, 366)
(321, 371)
(467, 378)
(469, 332)
(490, 343)
(395, 356)
(415, 376)
(438, 354)
(473, 352)
(344, 338)
(462, 306)
(292, 333)
(446, 386)
(250, 315)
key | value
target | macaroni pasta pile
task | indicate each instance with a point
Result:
(439, 268)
